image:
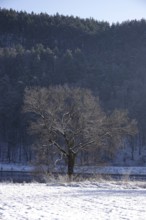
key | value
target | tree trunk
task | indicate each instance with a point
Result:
(71, 162)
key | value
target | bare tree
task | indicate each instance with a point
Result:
(71, 120)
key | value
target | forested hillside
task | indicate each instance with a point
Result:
(43, 50)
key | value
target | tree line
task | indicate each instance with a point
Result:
(42, 50)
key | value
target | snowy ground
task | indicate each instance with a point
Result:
(96, 200)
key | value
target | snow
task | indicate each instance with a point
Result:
(111, 170)
(87, 200)
(16, 167)
(79, 169)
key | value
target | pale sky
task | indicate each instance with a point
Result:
(102, 10)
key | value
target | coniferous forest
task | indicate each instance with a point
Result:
(42, 50)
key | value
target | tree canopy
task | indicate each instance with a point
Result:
(44, 50)
(72, 120)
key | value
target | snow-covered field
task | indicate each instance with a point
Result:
(103, 200)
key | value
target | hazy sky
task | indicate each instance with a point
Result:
(106, 10)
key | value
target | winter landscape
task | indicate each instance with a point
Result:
(88, 200)
(72, 112)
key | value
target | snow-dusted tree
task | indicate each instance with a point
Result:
(71, 120)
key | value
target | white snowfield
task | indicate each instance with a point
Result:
(99, 200)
